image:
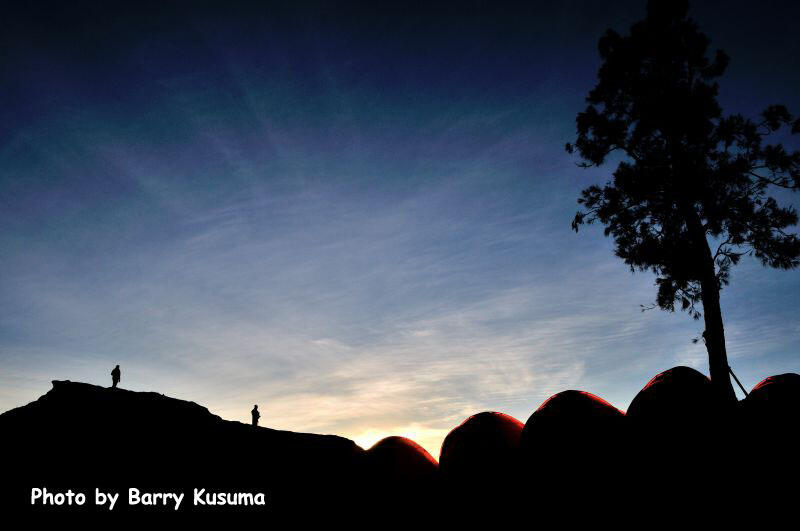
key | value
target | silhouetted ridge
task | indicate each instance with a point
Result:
(81, 435)
(575, 451)
(86, 405)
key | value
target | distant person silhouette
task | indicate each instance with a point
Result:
(115, 376)
(256, 415)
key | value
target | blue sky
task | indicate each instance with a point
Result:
(360, 222)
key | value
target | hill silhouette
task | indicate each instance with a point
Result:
(81, 437)
(577, 459)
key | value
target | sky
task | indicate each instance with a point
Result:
(356, 217)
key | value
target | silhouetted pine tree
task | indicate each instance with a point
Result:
(690, 197)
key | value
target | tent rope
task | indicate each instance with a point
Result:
(737, 381)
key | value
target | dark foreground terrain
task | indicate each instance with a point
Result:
(676, 454)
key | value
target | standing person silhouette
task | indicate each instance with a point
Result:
(115, 376)
(256, 415)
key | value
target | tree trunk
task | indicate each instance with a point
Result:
(712, 313)
(715, 339)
